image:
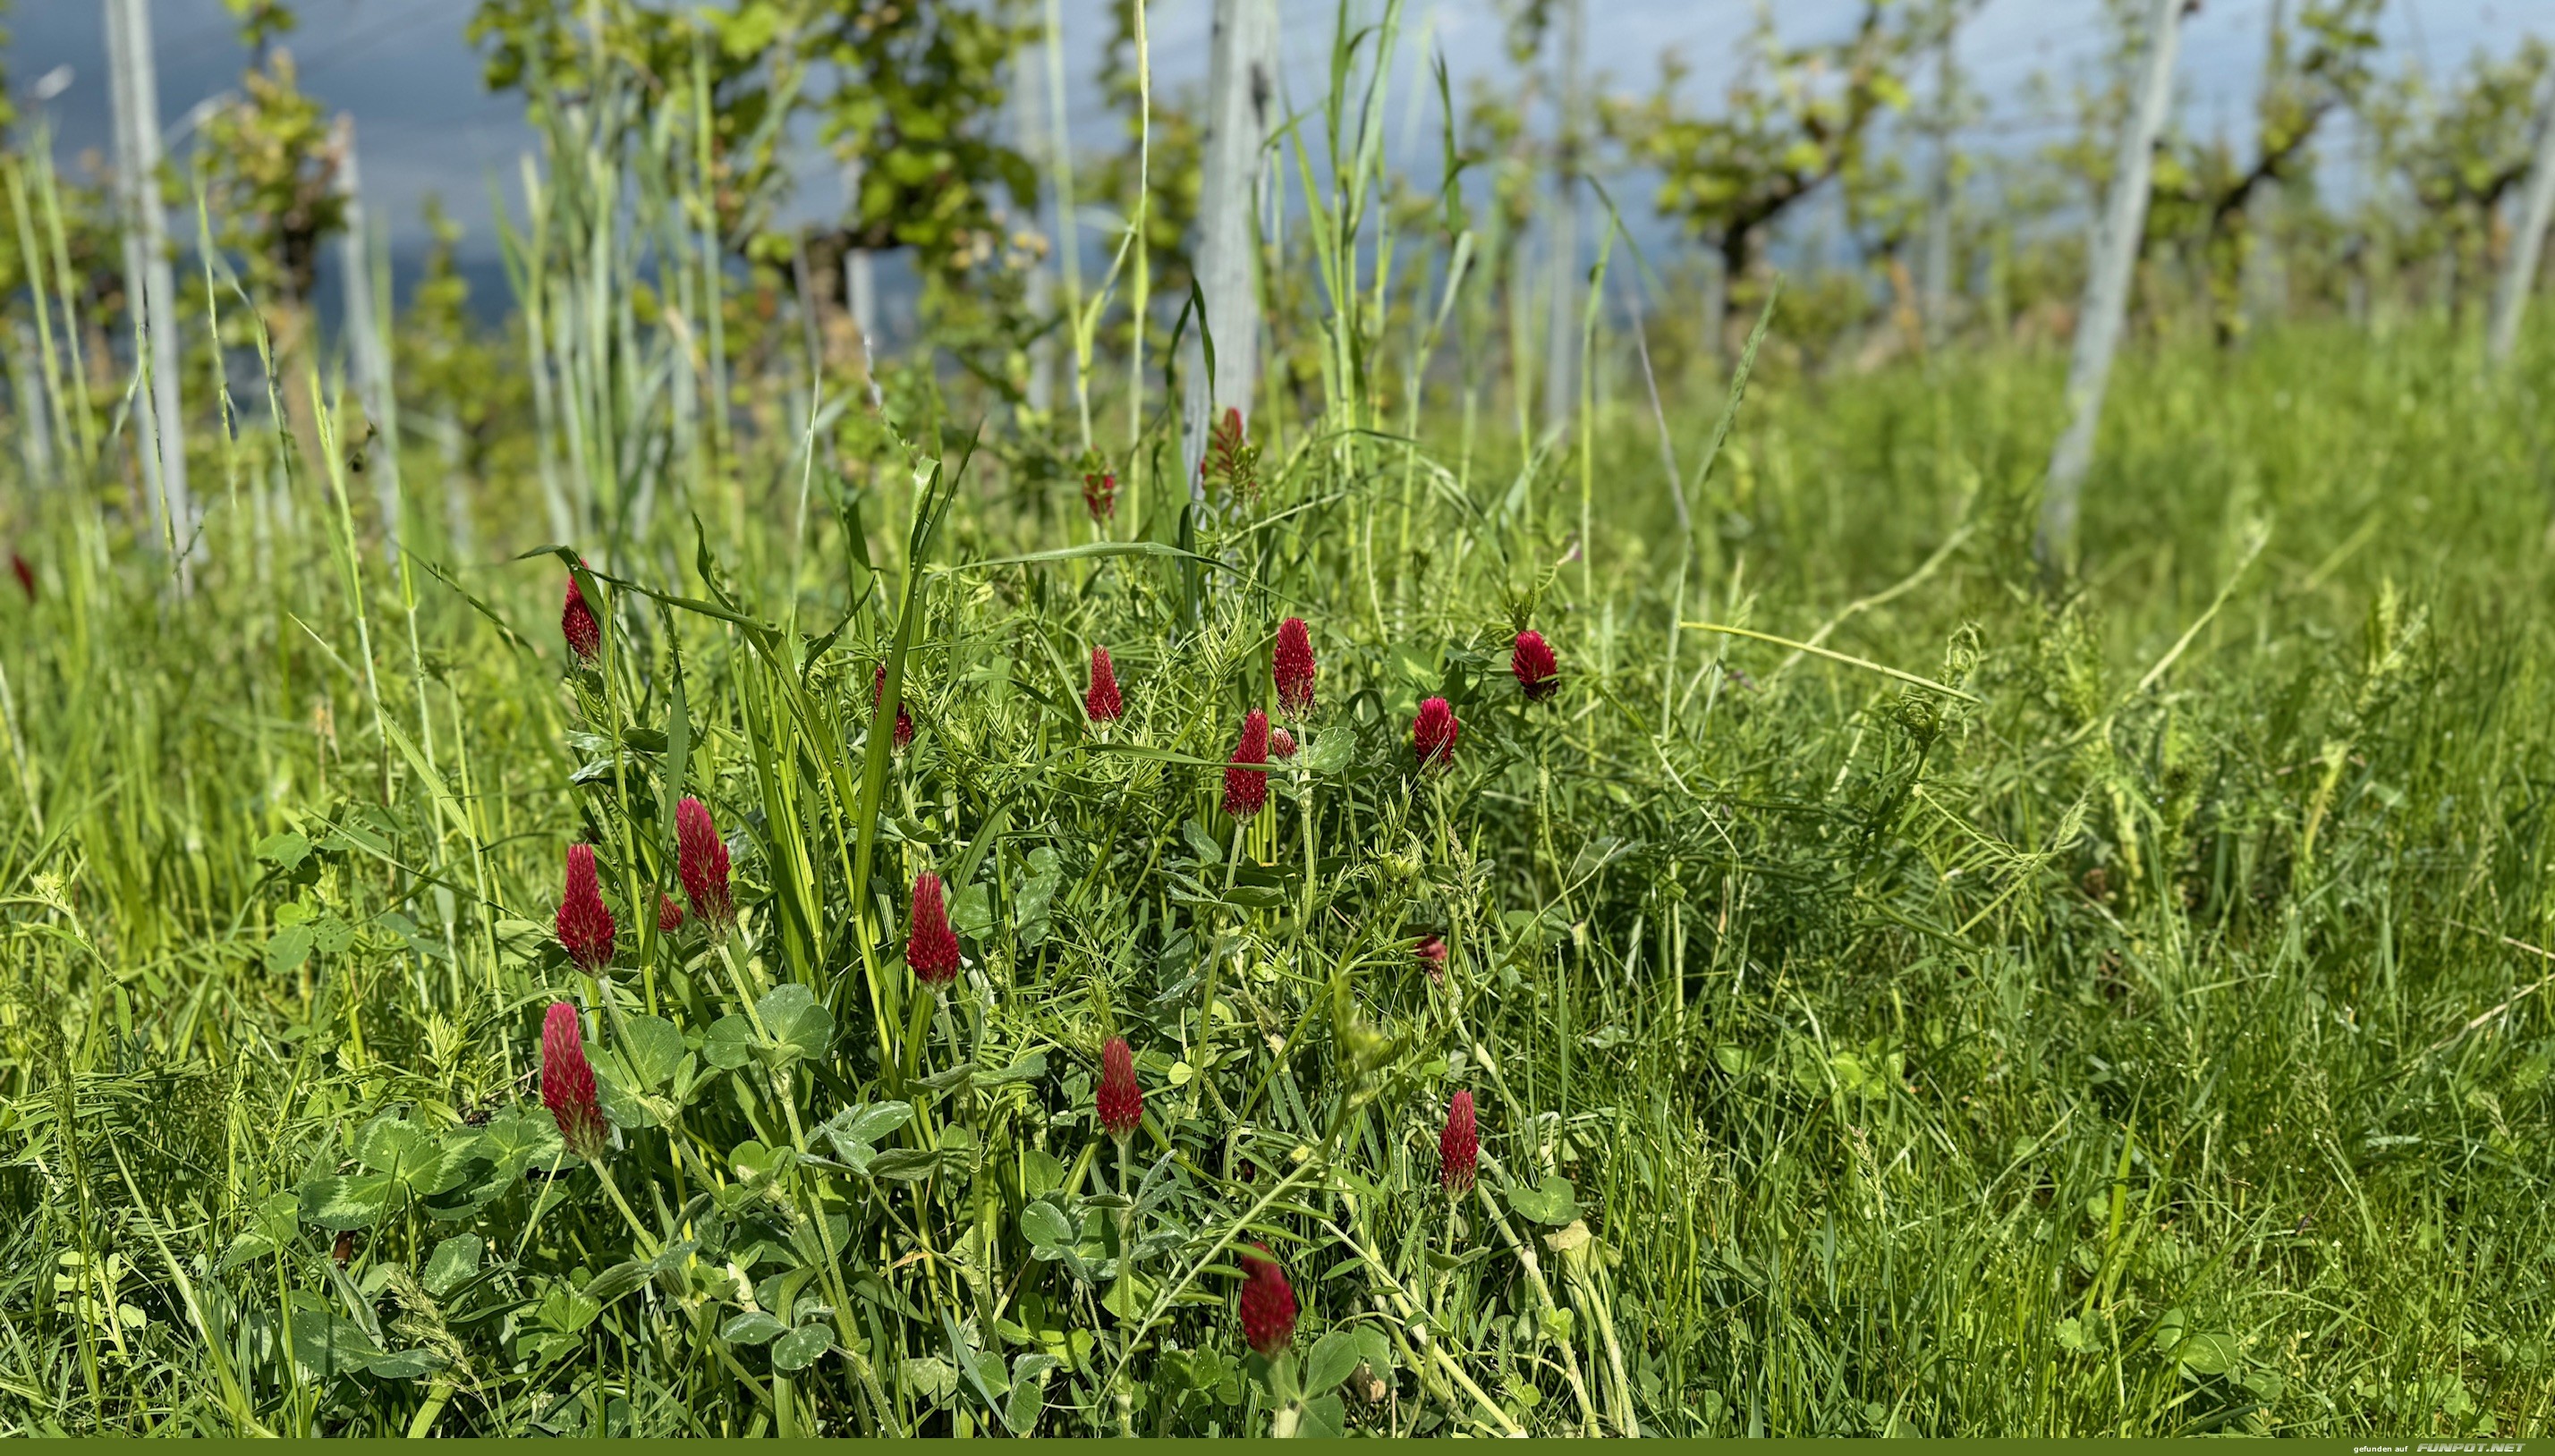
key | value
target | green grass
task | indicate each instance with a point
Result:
(2100, 1048)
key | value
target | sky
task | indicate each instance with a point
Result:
(426, 126)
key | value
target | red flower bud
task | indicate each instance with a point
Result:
(904, 715)
(1246, 788)
(1101, 702)
(1432, 955)
(1459, 1146)
(567, 1083)
(1432, 734)
(1100, 494)
(1268, 1305)
(1281, 744)
(670, 915)
(1293, 668)
(700, 861)
(577, 622)
(1122, 1102)
(1231, 459)
(931, 947)
(26, 575)
(1535, 669)
(584, 925)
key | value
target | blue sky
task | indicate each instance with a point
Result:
(425, 124)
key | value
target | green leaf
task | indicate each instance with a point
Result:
(1029, 1392)
(1022, 1070)
(863, 1126)
(798, 1024)
(906, 1165)
(971, 911)
(729, 1042)
(517, 1142)
(1202, 843)
(247, 1245)
(2209, 1353)
(629, 1074)
(930, 1377)
(1552, 1202)
(284, 850)
(346, 1203)
(622, 1278)
(754, 1327)
(1130, 1296)
(330, 1344)
(1040, 1173)
(1323, 1419)
(388, 1144)
(406, 1364)
(1045, 1226)
(289, 949)
(1334, 1356)
(454, 1262)
(1037, 889)
(801, 1347)
(948, 1079)
(1329, 753)
(649, 1051)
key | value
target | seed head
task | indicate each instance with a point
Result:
(1101, 703)
(700, 862)
(1532, 662)
(903, 714)
(931, 947)
(1293, 669)
(584, 925)
(1246, 785)
(1432, 734)
(567, 1083)
(1459, 1148)
(1122, 1101)
(577, 622)
(670, 915)
(1268, 1305)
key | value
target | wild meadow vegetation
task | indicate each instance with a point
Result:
(638, 905)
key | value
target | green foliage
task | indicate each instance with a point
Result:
(269, 168)
(1827, 1002)
(2142, 1031)
(2454, 152)
(918, 95)
(1796, 117)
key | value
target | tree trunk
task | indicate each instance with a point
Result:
(368, 362)
(1028, 137)
(2520, 269)
(1936, 292)
(2107, 292)
(1561, 350)
(2265, 279)
(1242, 82)
(151, 285)
(860, 285)
(35, 421)
(1716, 311)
